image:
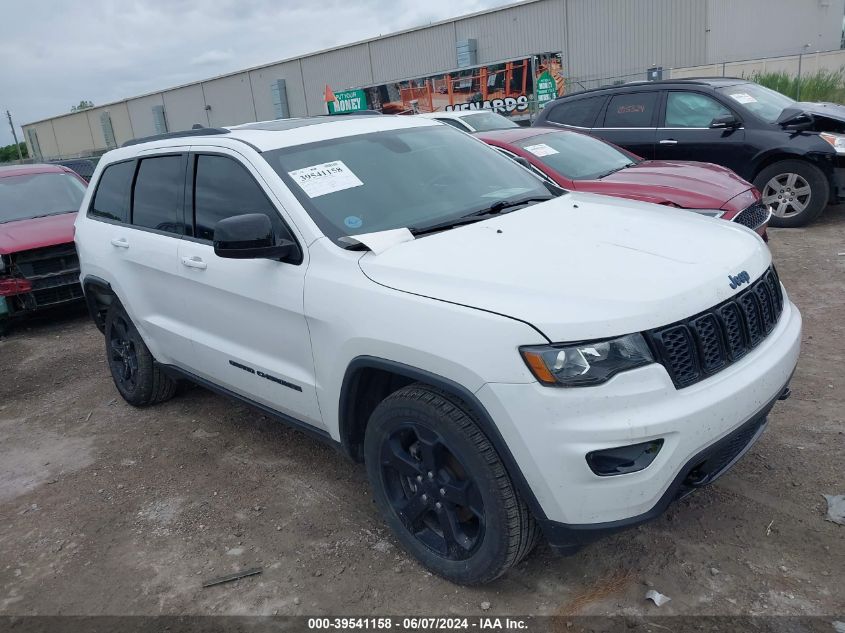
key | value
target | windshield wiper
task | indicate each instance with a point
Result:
(613, 171)
(476, 216)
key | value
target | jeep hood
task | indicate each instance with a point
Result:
(680, 183)
(581, 266)
(24, 235)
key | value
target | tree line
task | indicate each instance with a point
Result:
(9, 153)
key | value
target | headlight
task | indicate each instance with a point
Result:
(710, 213)
(837, 141)
(583, 364)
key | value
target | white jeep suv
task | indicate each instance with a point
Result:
(508, 359)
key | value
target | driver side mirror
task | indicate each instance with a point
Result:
(250, 236)
(726, 121)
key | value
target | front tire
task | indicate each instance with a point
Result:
(442, 488)
(796, 190)
(140, 381)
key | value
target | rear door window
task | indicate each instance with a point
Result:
(157, 197)
(578, 112)
(692, 109)
(224, 188)
(111, 201)
(635, 109)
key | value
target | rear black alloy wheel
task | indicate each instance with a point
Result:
(428, 488)
(442, 488)
(136, 375)
(123, 356)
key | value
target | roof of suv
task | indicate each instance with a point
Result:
(268, 135)
(714, 82)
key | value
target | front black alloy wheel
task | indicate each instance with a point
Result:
(429, 489)
(136, 375)
(442, 488)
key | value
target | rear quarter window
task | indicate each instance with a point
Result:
(634, 109)
(111, 200)
(578, 112)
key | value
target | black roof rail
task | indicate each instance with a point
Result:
(200, 131)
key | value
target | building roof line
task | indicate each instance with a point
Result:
(295, 58)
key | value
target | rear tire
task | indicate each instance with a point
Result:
(796, 190)
(140, 381)
(442, 488)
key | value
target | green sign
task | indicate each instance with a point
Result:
(348, 101)
(546, 89)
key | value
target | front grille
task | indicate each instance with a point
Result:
(54, 281)
(59, 294)
(46, 261)
(706, 343)
(53, 272)
(754, 216)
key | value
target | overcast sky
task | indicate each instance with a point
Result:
(54, 54)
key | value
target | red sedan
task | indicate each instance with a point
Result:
(579, 162)
(38, 263)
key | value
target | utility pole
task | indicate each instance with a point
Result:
(14, 136)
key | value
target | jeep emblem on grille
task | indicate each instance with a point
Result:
(738, 280)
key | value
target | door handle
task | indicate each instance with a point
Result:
(668, 141)
(120, 242)
(194, 262)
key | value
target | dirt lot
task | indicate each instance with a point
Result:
(106, 509)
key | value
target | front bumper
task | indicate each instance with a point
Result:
(51, 277)
(550, 431)
(699, 471)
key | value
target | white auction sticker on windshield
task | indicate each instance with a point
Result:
(743, 97)
(541, 149)
(318, 180)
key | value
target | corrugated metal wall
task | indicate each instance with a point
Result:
(261, 80)
(340, 68)
(141, 115)
(518, 31)
(613, 39)
(185, 107)
(767, 28)
(230, 99)
(601, 41)
(413, 54)
(120, 120)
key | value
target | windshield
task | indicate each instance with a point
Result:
(765, 103)
(576, 156)
(485, 121)
(34, 195)
(413, 177)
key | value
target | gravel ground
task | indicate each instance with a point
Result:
(106, 509)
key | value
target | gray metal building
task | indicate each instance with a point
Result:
(599, 41)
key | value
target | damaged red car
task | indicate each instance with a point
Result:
(580, 162)
(39, 267)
